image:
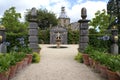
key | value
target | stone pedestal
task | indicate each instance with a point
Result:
(3, 48)
(114, 49)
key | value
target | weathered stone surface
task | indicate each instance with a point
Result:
(33, 45)
(33, 25)
(33, 12)
(33, 39)
(82, 47)
(114, 49)
(63, 35)
(84, 26)
(33, 32)
(83, 13)
(3, 48)
(84, 32)
(84, 39)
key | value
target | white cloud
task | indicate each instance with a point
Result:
(92, 7)
(73, 11)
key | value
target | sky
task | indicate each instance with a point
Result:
(72, 7)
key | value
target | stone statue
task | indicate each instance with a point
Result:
(58, 36)
(58, 40)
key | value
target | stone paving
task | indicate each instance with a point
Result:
(57, 64)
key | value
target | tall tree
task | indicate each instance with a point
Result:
(101, 20)
(11, 20)
(45, 18)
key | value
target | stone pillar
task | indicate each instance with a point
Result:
(33, 31)
(83, 31)
(114, 38)
(3, 48)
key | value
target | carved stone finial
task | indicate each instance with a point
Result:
(83, 13)
(33, 12)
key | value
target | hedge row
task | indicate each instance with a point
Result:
(73, 38)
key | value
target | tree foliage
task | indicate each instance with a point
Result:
(45, 18)
(11, 20)
(101, 20)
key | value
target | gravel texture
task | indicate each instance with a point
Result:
(57, 64)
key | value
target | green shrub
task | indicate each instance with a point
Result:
(79, 58)
(4, 63)
(44, 36)
(73, 37)
(12, 39)
(36, 57)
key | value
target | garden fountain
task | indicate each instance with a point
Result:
(58, 40)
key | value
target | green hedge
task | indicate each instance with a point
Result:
(44, 36)
(99, 43)
(73, 37)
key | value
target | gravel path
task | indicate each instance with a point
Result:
(57, 64)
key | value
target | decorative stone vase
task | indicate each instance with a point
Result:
(103, 71)
(112, 75)
(13, 69)
(86, 59)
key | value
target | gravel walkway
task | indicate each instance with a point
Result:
(57, 64)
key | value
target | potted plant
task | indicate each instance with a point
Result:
(13, 66)
(29, 54)
(104, 57)
(86, 54)
(113, 66)
(4, 68)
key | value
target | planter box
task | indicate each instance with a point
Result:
(12, 71)
(91, 61)
(103, 71)
(5, 75)
(112, 75)
(86, 59)
(19, 66)
(96, 66)
(30, 58)
(25, 62)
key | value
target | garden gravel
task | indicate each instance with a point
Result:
(57, 64)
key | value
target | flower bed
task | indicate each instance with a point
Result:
(104, 63)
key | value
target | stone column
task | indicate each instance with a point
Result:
(83, 28)
(33, 31)
(114, 38)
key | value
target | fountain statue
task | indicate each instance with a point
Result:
(58, 40)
